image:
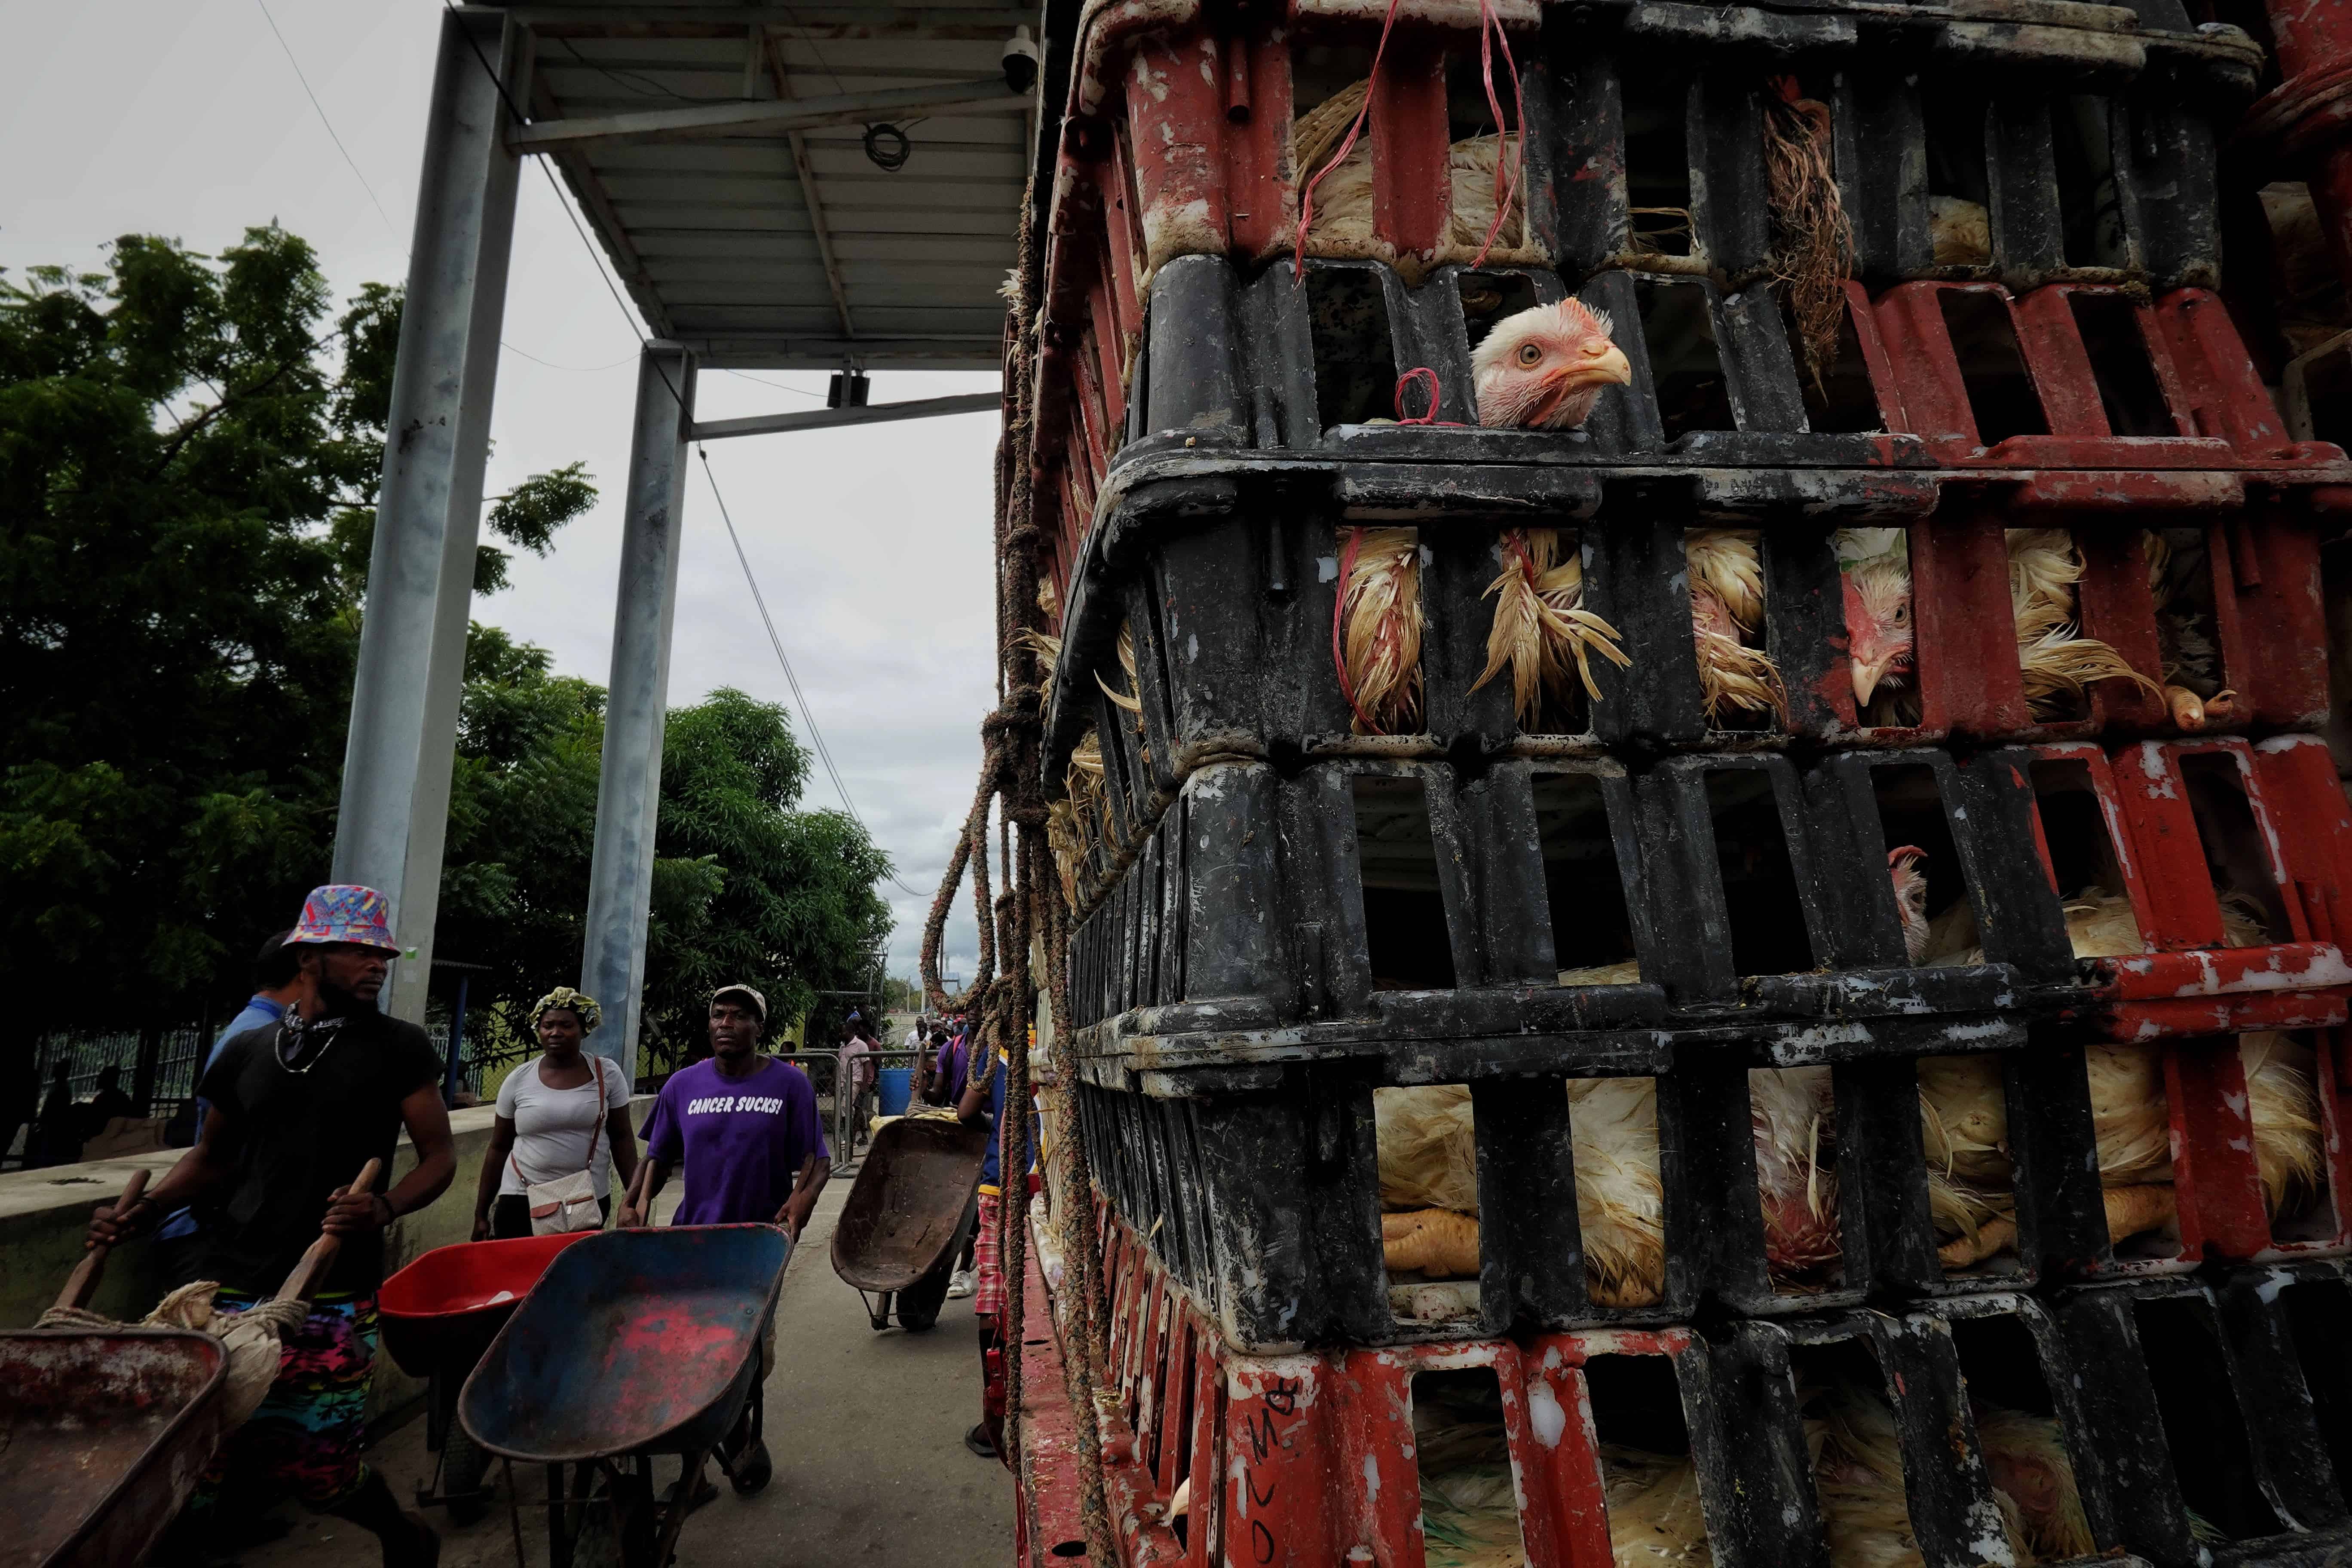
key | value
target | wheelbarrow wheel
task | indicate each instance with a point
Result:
(464, 1474)
(920, 1304)
(617, 1529)
(748, 1468)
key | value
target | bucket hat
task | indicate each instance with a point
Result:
(345, 912)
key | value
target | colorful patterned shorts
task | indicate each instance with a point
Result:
(988, 1259)
(305, 1440)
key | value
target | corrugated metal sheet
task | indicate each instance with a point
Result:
(721, 240)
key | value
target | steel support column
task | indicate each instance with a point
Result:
(396, 795)
(628, 789)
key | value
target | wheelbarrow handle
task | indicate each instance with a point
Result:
(82, 1283)
(320, 1255)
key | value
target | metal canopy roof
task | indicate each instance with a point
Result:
(718, 151)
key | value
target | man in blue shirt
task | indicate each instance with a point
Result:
(276, 985)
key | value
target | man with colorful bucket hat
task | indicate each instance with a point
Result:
(295, 1108)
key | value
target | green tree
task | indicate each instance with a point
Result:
(189, 453)
(789, 904)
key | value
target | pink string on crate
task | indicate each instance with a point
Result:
(1355, 129)
(1437, 399)
(1490, 32)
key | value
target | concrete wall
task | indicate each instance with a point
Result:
(43, 1213)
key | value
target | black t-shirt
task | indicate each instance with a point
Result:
(295, 1137)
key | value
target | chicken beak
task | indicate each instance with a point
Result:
(1867, 674)
(1609, 369)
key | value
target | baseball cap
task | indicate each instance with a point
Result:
(758, 1002)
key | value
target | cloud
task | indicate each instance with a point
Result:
(871, 545)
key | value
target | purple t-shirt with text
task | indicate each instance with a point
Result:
(742, 1139)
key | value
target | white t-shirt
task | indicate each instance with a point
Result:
(552, 1126)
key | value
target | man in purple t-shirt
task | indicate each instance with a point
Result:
(748, 1129)
(745, 1124)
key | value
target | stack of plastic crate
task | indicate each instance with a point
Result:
(1282, 912)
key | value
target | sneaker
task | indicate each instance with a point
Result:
(963, 1283)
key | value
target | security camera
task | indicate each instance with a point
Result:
(1020, 60)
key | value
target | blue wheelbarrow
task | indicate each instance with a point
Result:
(633, 1343)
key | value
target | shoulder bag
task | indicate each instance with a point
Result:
(567, 1202)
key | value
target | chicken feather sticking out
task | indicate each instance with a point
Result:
(1545, 368)
(1735, 675)
(2057, 664)
(1379, 596)
(1541, 625)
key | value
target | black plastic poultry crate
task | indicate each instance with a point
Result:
(1259, 1187)
(1227, 587)
(1432, 900)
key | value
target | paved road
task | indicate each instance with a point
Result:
(867, 1430)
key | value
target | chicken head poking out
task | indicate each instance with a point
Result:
(1543, 369)
(1878, 628)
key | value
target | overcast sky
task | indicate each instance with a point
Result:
(871, 545)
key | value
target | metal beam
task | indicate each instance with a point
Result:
(769, 117)
(628, 782)
(393, 817)
(831, 418)
(820, 230)
(586, 189)
(947, 24)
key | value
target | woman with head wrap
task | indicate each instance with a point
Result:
(564, 1112)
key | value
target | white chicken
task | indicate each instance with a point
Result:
(1427, 1149)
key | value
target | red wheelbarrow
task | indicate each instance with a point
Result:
(438, 1315)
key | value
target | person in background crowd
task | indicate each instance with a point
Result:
(277, 984)
(108, 1103)
(983, 1100)
(297, 1108)
(747, 1128)
(57, 1137)
(855, 1081)
(20, 1111)
(567, 1112)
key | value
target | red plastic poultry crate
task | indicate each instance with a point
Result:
(2152, 391)
(2272, 818)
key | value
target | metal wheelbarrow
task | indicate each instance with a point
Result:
(105, 1432)
(907, 1216)
(633, 1343)
(438, 1315)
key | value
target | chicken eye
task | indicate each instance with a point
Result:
(1529, 354)
(1902, 615)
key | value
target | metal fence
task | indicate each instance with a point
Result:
(179, 1060)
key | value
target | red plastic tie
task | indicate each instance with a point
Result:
(1410, 378)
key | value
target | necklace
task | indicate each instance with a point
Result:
(322, 1032)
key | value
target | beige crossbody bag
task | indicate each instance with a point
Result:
(567, 1202)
